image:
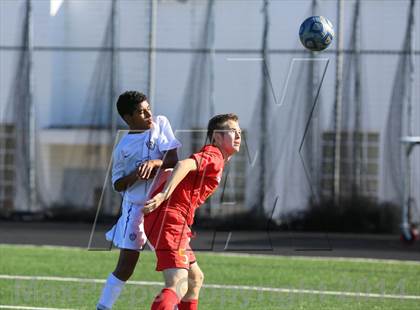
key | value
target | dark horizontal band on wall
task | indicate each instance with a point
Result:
(196, 50)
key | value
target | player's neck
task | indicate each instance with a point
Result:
(137, 130)
(225, 155)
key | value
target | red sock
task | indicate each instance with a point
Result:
(166, 300)
(191, 304)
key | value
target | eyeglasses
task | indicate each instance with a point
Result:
(236, 131)
(231, 130)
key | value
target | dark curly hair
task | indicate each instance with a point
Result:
(218, 122)
(127, 102)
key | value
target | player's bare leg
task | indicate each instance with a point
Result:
(126, 264)
(195, 282)
(176, 279)
(176, 286)
(116, 280)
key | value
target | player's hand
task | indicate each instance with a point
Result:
(153, 203)
(146, 169)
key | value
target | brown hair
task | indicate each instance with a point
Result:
(218, 122)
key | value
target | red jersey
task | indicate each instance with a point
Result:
(198, 185)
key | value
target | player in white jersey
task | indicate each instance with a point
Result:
(149, 145)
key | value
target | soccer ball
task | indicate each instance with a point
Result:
(316, 33)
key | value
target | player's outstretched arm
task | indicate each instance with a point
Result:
(182, 168)
(146, 170)
(170, 159)
(125, 182)
(149, 168)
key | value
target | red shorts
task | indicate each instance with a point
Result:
(168, 233)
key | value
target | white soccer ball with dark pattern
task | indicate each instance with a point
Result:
(316, 33)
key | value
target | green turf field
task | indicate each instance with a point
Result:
(233, 281)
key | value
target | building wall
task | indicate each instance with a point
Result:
(71, 64)
(65, 77)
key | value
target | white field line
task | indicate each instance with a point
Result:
(30, 308)
(225, 287)
(76, 280)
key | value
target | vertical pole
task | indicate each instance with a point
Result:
(264, 111)
(314, 152)
(409, 121)
(211, 58)
(410, 90)
(358, 137)
(110, 197)
(212, 108)
(114, 73)
(338, 101)
(152, 50)
(33, 203)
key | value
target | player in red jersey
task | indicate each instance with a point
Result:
(192, 181)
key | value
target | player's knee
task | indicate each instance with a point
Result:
(196, 279)
(177, 280)
(179, 285)
(124, 272)
(182, 287)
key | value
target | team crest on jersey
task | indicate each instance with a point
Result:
(150, 145)
(133, 236)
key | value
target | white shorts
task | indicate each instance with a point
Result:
(128, 233)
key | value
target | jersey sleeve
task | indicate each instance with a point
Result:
(117, 166)
(208, 163)
(166, 139)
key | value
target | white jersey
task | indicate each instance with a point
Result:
(136, 148)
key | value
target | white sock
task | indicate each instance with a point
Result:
(110, 292)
